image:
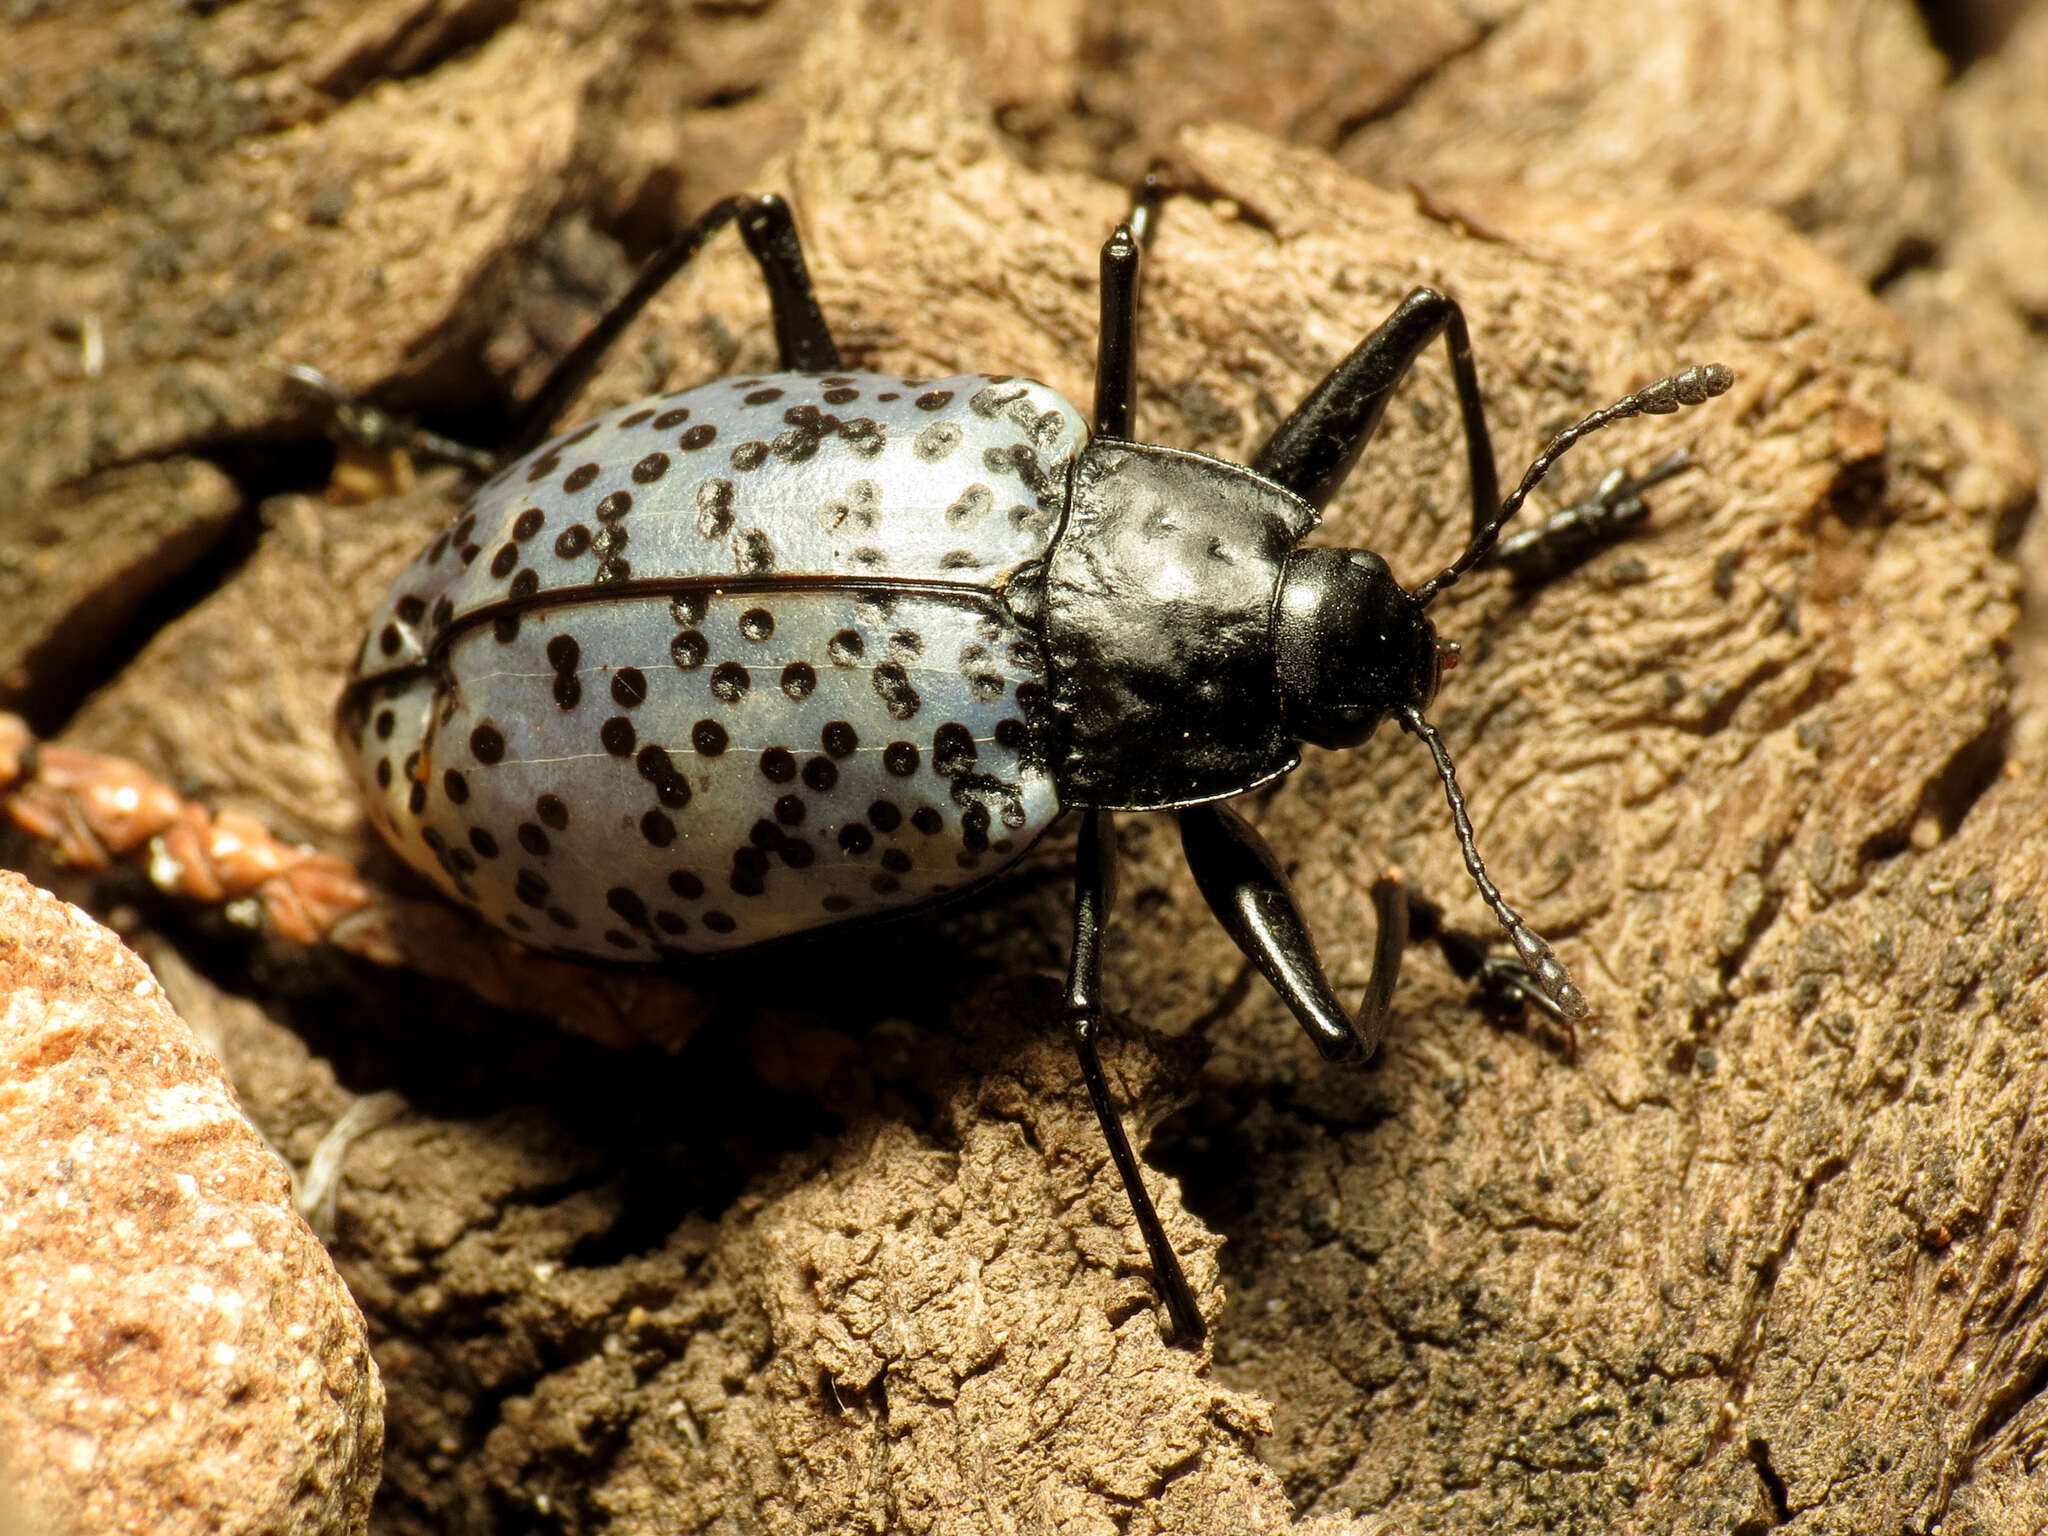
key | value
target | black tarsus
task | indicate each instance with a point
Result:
(1315, 448)
(1094, 893)
(363, 425)
(802, 338)
(1248, 891)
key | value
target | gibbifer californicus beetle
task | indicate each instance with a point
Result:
(800, 648)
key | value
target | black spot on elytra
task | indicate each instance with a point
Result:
(970, 506)
(846, 648)
(799, 678)
(719, 922)
(953, 750)
(839, 739)
(935, 400)
(571, 542)
(658, 769)
(553, 811)
(855, 838)
(528, 523)
(534, 841)
(579, 478)
(689, 650)
(504, 560)
(686, 885)
(618, 736)
(614, 506)
(820, 774)
(714, 509)
(892, 686)
(730, 682)
(487, 743)
(668, 421)
(900, 758)
(708, 737)
(629, 687)
(757, 624)
(778, 765)
(525, 584)
(936, 441)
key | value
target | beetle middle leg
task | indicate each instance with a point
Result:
(1117, 340)
(1094, 893)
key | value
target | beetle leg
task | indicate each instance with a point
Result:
(1117, 341)
(801, 337)
(1116, 344)
(1542, 553)
(1314, 448)
(1094, 891)
(1248, 891)
(1505, 984)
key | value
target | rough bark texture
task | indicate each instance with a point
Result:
(1769, 1252)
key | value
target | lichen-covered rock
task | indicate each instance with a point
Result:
(176, 1352)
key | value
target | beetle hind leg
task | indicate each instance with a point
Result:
(802, 339)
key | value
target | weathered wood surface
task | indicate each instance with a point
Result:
(1769, 1252)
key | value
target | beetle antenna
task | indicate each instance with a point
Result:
(1692, 387)
(1545, 969)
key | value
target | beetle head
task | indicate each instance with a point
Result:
(1353, 646)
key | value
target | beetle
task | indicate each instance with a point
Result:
(810, 646)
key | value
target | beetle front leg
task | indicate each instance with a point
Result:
(1094, 892)
(1247, 890)
(1314, 449)
(1545, 552)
